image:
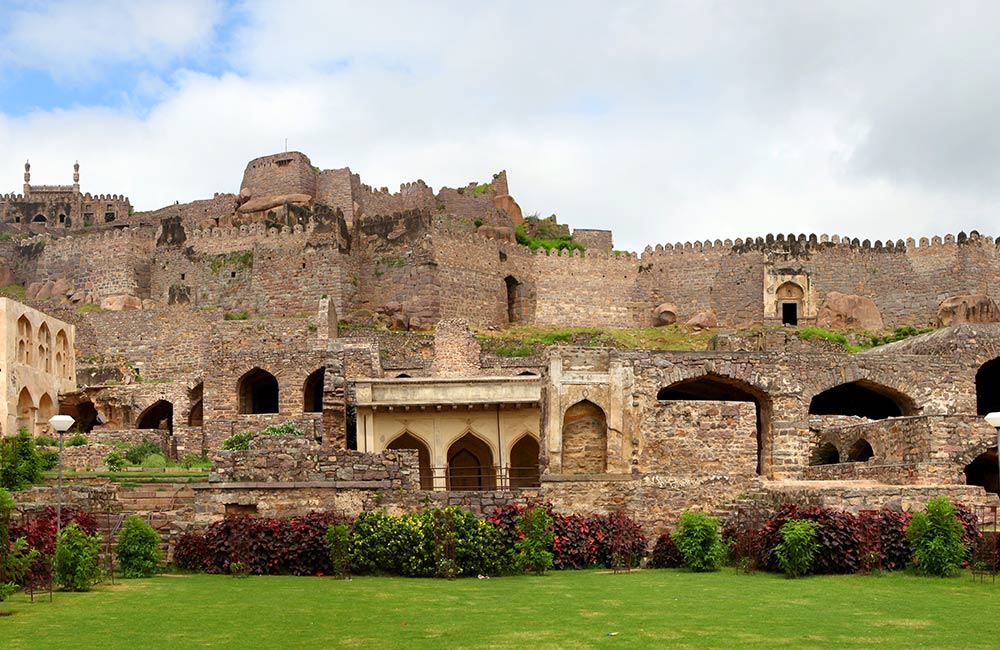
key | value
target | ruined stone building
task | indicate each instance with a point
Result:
(309, 297)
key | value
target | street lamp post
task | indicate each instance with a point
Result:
(62, 423)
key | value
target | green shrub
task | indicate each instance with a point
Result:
(798, 547)
(15, 561)
(137, 451)
(381, 543)
(114, 460)
(936, 539)
(77, 558)
(534, 546)
(20, 464)
(48, 458)
(338, 540)
(76, 440)
(698, 540)
(236, 315)
(241, 440)
(191, 460)
(154, 460)
(138, 548)
(238, 441)
(46, 441)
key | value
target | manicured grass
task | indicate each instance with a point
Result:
(644, 609)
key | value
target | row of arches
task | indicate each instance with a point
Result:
(471, 465)
(258, 392)
(39, 349)
(34, 415)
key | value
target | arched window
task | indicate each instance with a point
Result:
(258, 392)
(825, 454)
(983, 471)
(860, 452)
(470, 464)
(789, 296)
(524, 470)
(409, 441)
(864, 399)
(988, 387)
(62, 355)
(312, 392)
(39, 218)
(513, 299)
(24, 340)
(160, 415)
(44, 345)
(726, 389)
(584, 439)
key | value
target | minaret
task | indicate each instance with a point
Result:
(27, 178)
(76, 177)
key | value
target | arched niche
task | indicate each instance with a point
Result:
(196, 415)
(825, 454)
(44, 340)
(312, 392)
(789, 296)
(407, 440)
(983, 471)
(513, 294)
(62, 355)
(861, 451)
(25, 410)
(524, 471)
(46, 409)
(258, 392)
(862, 398)
(25, 340)
(470, 464)
(159, 415)
(584, 439)
(718, 388)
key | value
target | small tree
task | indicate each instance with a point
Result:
(77, 558)
(534, 547)
(138, 548)
(936, 539)
(697, 538)
(798, 547)
(15, 557)
(20, 463)
(338, 539)
(114, 461)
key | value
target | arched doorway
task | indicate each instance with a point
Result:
(408, 441)
(988, 387)
(983, 471)
(863, 399)
(860, 452)
(46, 409)
(312, 392)
(825, 454)
(160, 415)
(585, 439)
(726, 389)
(258, 392)
(196, 416)
(513, 299)
(39, 218)
(789, 298)
(25, 410)
(470, 464)
(524, 470)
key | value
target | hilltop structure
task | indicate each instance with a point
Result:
(312, 298)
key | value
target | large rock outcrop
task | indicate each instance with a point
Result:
(665, 314)
(969, 308)
(848, 311)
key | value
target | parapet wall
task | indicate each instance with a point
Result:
(283, 173)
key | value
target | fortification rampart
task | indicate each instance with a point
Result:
(290, 172)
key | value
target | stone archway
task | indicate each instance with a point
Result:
(26, 410)
(258, 392)
(860, 452)
(312, 392)
(983, 471)
(159, 415)
(789, 296)
(584, 439)
(524, 470)
(470, 464)
(862, 398)
(407, 440)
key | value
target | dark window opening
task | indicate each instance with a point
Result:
(983, 471)
(39, 218)
(402, 375)
(158, 416)
(62, 218)
(232, 274)
(864, 399)
(183, 275)
(313, 392)
(196, 417)
(789, 313)
(470, 465)
(109, 217)
(860, 452)
(258, 392)
(17, 219)
(513, 299)
(351, 426)
(825, 454)
(988, 387)
(408, 441)
(725, 389)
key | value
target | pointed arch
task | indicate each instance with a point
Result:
(196, 415)
(46, 409)
(158, 415)
(312, 391)
(861, 451)
(470, 464)
(713, 387)
(24, 340)
(988, 387)
(584, 439)
(407, 440)
(62, 355)
(258, 392)
(825, 454)
(862, 398)
(983, 471)
(25, 410)
(524, 469)
(513, 294)
(44, 361)
(789, 296)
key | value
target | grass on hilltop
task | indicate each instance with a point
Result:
(571, 609)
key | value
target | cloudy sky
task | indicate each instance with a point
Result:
(664, 121)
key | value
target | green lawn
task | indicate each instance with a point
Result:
(573, 609)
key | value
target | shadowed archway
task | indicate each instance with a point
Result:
(159, 415)
(258, 392)
(862, 398)
(470, 464)
(524, 470)
(406, 440)
(983, 471)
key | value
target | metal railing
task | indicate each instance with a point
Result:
(479, 478)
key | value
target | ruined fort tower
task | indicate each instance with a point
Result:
(309, 297)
